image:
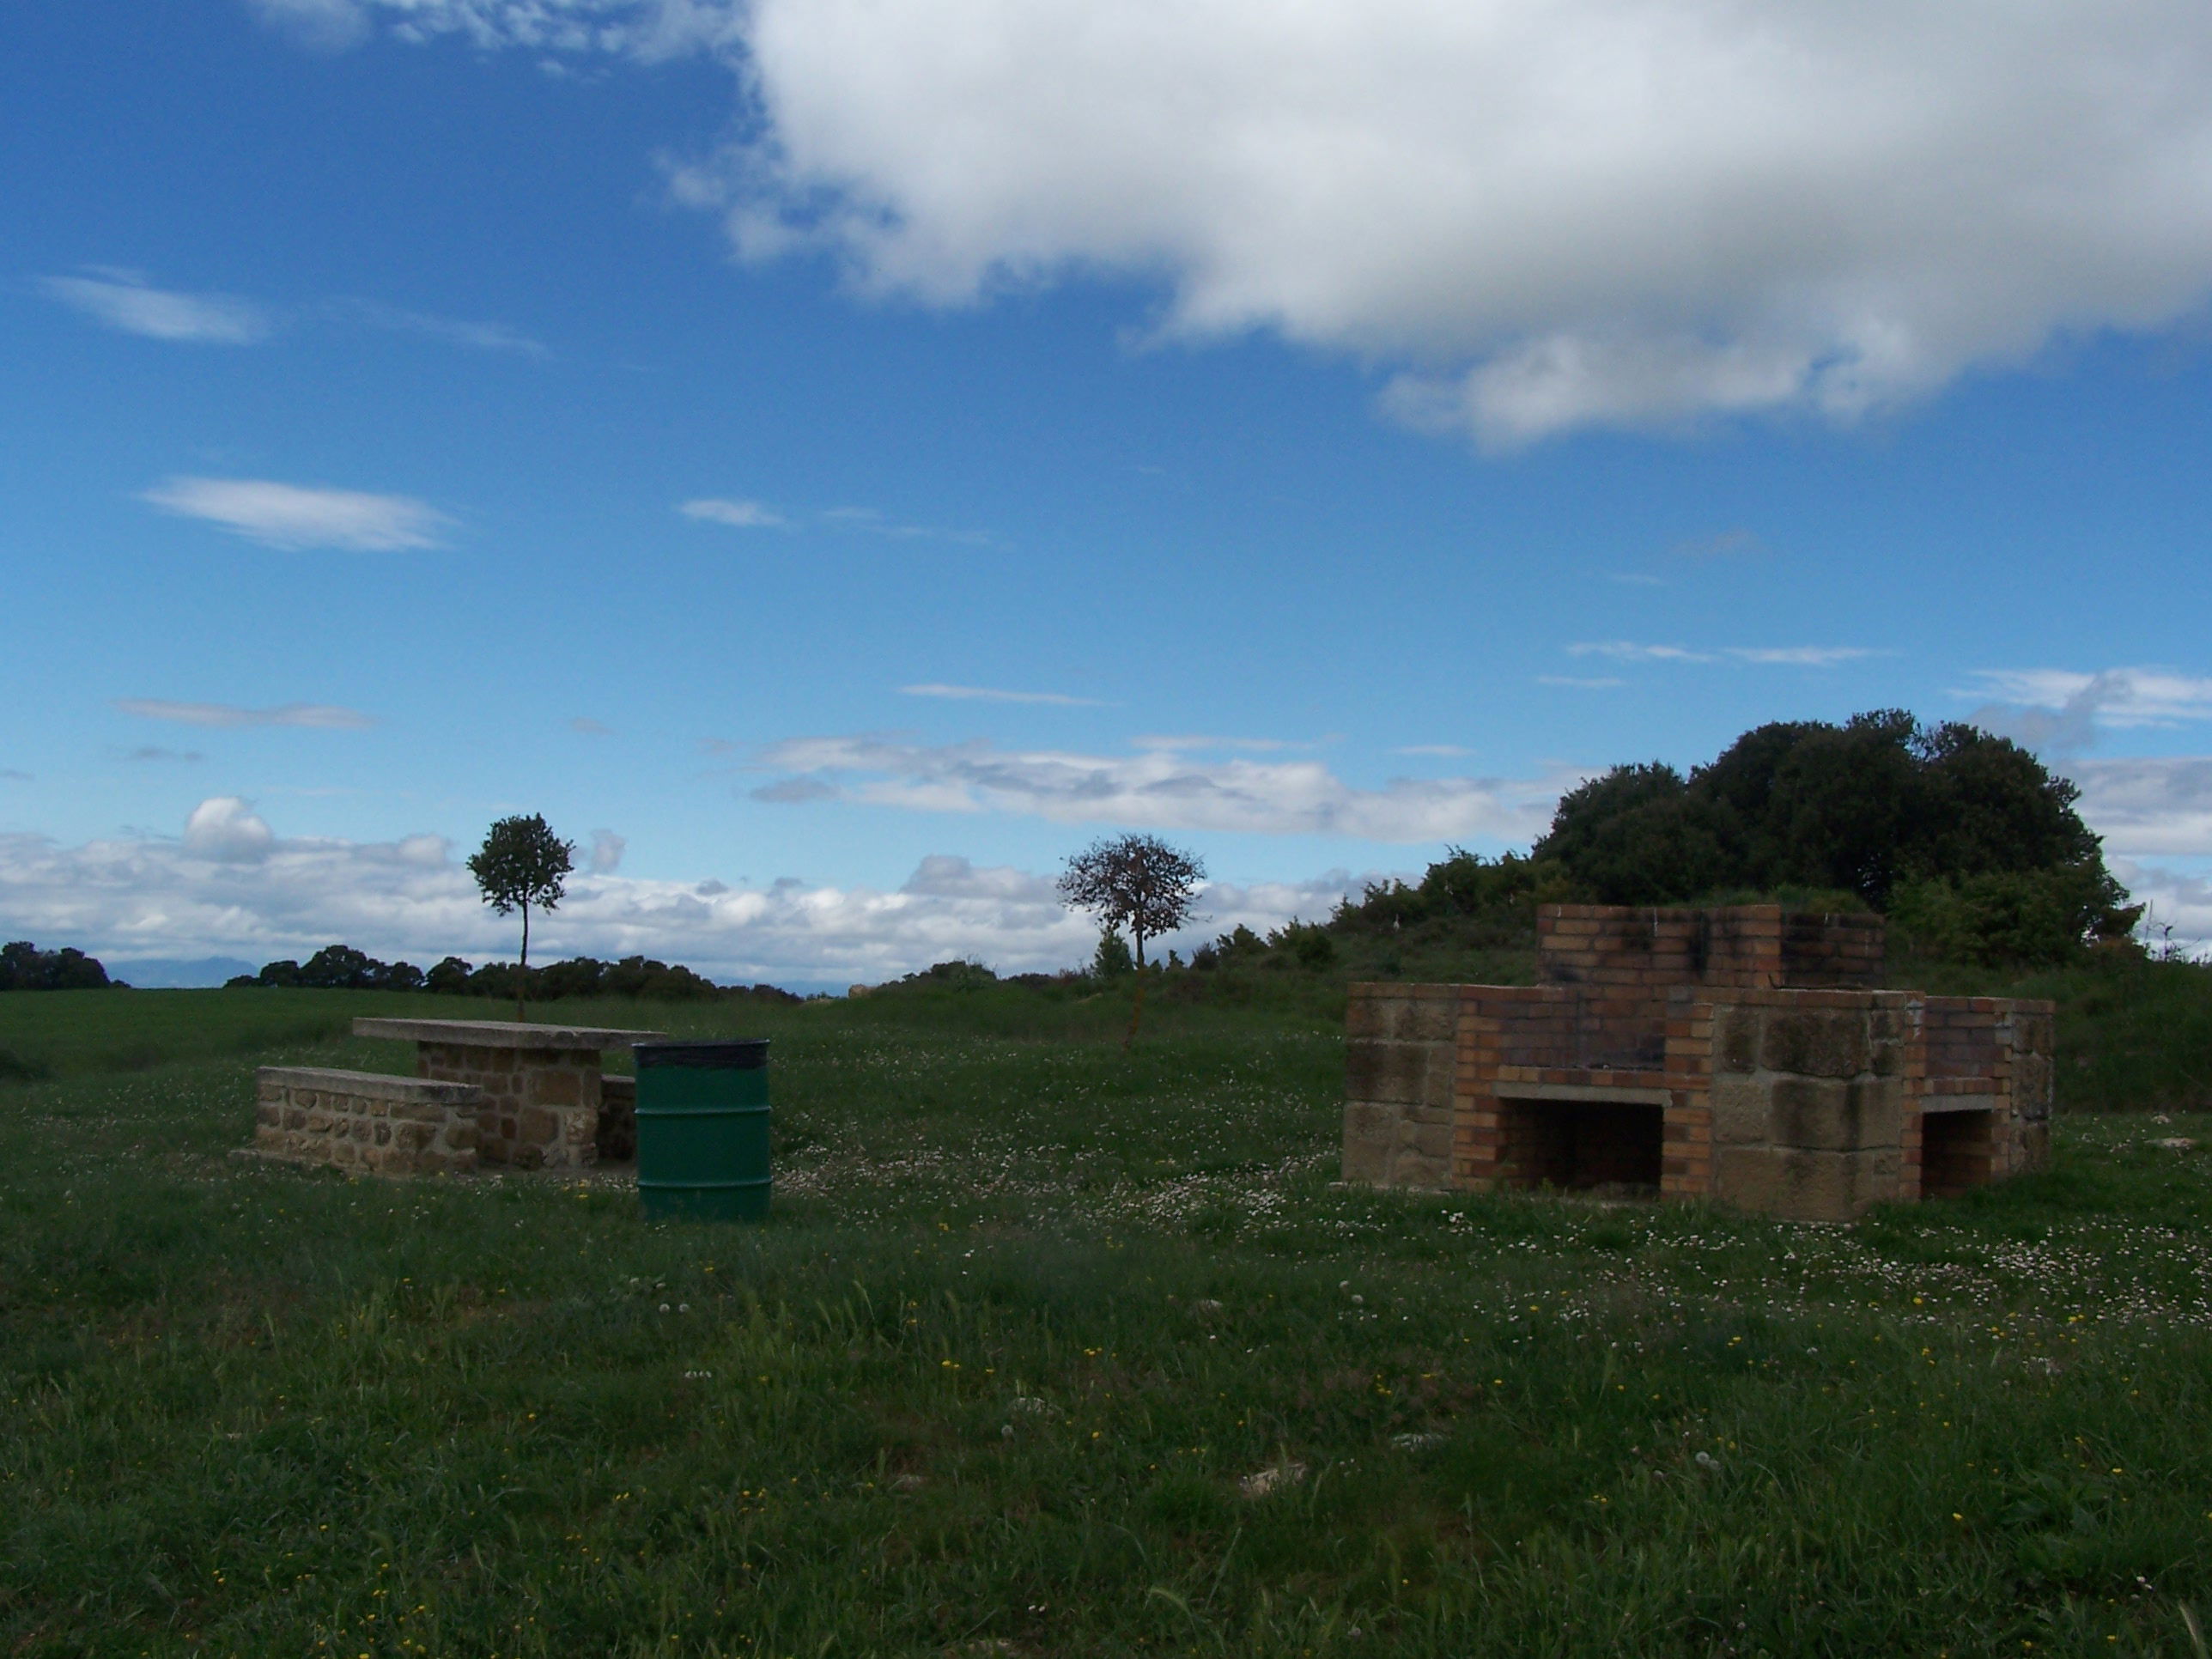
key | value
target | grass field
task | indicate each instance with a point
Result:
(1055, 1350)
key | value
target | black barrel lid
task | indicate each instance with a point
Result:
(742, 1055)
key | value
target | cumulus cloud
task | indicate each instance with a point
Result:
(1543, 214)
(742, 515)
(321, 715)
(985, 694)
(2148, 808)
(124, 300)
(295, 516)
(230, 886)
(1157, 788)
(224, 829)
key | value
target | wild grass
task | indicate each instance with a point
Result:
(1053, 1350)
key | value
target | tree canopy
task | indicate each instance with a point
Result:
(1964, 836)
(522, 863)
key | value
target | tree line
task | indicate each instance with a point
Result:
(342, 968)
(24, 967)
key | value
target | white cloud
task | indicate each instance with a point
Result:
(320, 25)
(2063, 709)
(453, 330)
(224, 829)
(1629, 651)
(232, 887)
(2149, 808)
(607, 849)
(1442, 751)
(1803, 656)
(123, 299)
(985, 694)
(1547, 214)
(322, 715)
(1157, 788)
(292, 516)
(1788, 656)
(745, 515)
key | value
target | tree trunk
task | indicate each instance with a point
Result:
(1136, 1008)
(522, 973)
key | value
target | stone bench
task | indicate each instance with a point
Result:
(365, 1120)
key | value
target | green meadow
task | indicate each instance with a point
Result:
(1054, 1349)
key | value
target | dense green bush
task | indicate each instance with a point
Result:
(1966, 834)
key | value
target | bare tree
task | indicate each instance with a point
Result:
(1137, 882)
(522, 863)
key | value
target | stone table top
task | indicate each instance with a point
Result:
(499, 1034)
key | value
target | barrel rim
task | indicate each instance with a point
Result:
(721, 1054)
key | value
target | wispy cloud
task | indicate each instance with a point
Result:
(1629, 651)
(1737, 544)
(1803, 656)
(1787, 656)
(1581, 683)
(990, 694)
(127, 300)
(1157, 788)
(318, 716)
(124, 300)
(742, 515)
(590, 728)
(147, 751)
(453, 330)
(1442, 751)
(295, 516)
(12, 776)
(872, 521)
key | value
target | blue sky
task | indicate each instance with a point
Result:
(835, 460)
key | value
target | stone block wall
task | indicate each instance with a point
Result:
(541, 1106)
(365, 1121)
(1399, 1065)
(1808, 1097)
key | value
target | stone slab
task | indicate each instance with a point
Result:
(369, 1085)
(499, 1034)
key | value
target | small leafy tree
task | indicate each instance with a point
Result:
(1136, 881)
(522, 863)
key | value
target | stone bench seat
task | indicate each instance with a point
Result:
(368, 1122)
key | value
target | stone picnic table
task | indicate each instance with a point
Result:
(542, 1086)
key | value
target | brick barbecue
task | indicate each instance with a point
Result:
(1745, 1053)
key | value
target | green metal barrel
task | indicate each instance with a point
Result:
(703, 1125)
